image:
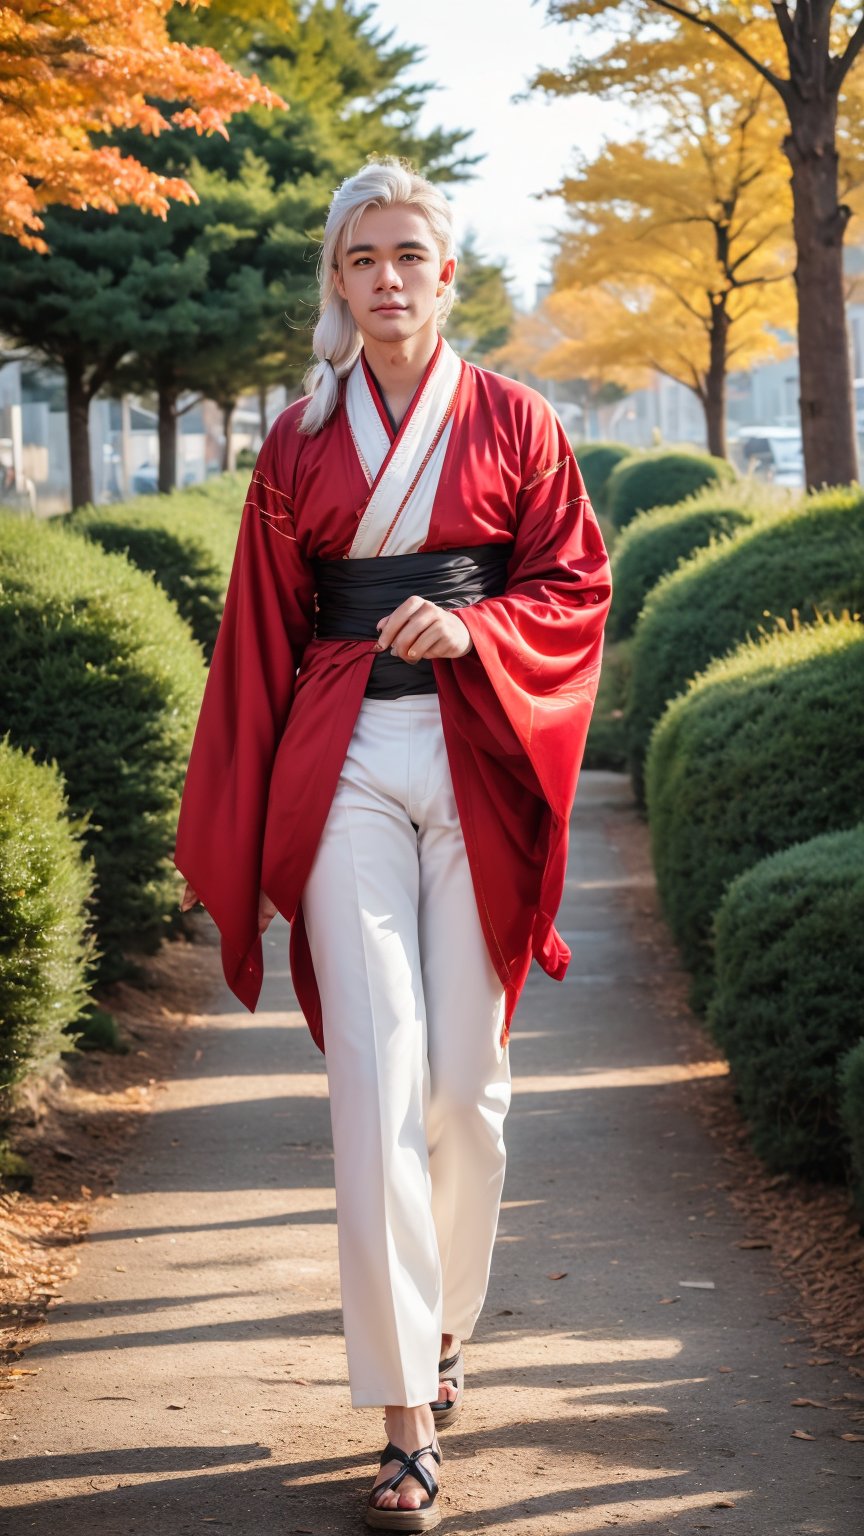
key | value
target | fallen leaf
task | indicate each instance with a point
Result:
(298, 1381)
(806, 1402)
(667, 1301)
(558, 1274)
(175, 1405)
(120, 1268)
(850, 1436)
(801, 1434)
(724, 1368)
(752, 1242)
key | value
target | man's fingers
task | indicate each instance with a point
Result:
(423, 643)
(418, 624)
(391, 624)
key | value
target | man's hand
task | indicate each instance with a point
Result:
(266, 909)
(418, 629)
(266, 912)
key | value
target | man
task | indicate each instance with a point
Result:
(387, 754)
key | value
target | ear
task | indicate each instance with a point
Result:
(338, 283)
(448, 272)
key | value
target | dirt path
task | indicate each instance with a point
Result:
(193, 1377)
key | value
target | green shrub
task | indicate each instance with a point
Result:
(245, 459)
(659, 479)
(763, 750)
(99, 671)
(97, 1030)
(852, 1115)
(597, 461)
(606, 746)
(45, 885)
(178, 540)
(806, 560)
(656, 542)
(788, 997)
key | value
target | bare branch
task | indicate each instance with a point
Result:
(196, 400)
(842, 66)
(784, 22)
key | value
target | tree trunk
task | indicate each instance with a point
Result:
(262, 410)
(715, 379)
(167, 438)
(227, 420)
(78, 413)
(826, 396)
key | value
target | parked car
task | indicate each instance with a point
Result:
(145, 480)
(771, 453)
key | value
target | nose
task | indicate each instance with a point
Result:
(388, 276)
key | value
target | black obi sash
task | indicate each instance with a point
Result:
(352, 595)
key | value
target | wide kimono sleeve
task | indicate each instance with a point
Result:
(525, 695)
(266, 624)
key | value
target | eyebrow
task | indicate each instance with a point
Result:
(402, 245)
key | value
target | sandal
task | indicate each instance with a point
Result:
(452, 1372)
(420, 1519)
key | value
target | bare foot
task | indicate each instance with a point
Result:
(408, 1428)
(447, 1393)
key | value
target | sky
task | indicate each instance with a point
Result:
(481, 53)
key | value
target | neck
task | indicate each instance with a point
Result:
(399, 366)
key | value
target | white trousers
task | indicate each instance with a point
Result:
(419, 1083)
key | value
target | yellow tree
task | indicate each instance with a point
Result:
(805, 55)
(89, 67)
(690, 241)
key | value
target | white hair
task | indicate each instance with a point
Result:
(336, 341)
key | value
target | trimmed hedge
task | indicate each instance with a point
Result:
(99, 671)
(596, 462)
(659, 479)
(806, 560)
(852, 1117)
(606, 746)
(45, 885)
(186, 540)
(226, 491)
(656, 542)
(788, 1001)
(762, 751)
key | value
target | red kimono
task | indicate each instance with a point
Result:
(280, 705)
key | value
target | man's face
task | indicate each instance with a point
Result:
(391, 273)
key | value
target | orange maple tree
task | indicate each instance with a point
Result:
(77, 68)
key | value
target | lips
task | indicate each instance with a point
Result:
(391, 309)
